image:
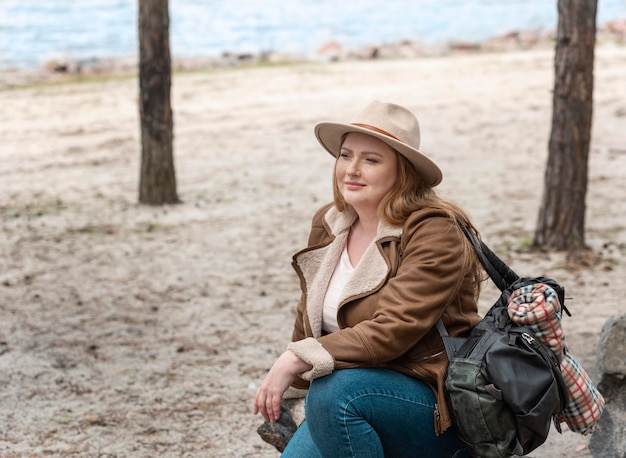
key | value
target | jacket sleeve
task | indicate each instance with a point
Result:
(428, 279)
(311, 351)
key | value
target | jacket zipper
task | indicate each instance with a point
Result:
(437, 420)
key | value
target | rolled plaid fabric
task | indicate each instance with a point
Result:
(538, 306)
(585, 402)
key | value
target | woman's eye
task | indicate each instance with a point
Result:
(344, 155)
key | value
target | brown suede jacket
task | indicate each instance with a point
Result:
(405, 281)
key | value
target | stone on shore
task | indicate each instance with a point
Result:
(609, 436)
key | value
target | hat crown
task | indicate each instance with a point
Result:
(392, 120)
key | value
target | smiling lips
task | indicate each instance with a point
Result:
(353, 185)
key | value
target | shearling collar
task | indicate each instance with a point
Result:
(318, 263)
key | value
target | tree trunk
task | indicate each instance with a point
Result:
(561, 223)
(157, 184)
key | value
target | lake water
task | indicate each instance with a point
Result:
(32, 31)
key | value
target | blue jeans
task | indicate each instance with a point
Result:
(364, 413)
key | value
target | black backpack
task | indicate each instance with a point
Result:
(504, 386)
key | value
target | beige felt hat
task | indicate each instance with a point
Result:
(394, 125)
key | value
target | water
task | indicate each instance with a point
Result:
(32, 31)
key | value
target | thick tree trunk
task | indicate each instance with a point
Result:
(561, 223)
(157, 183)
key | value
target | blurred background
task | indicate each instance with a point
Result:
(33, 31)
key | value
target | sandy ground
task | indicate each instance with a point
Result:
(133, 331)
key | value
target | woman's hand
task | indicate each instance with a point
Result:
(278, 379)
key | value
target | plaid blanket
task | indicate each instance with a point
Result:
(585, 401)
(537, 306)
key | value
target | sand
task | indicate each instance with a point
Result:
(136, 331)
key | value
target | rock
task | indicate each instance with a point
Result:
(617, 27)
(330, 51)
(609, 435)
(56, 66)
(279, 433)
(364, 53)
(465, 46)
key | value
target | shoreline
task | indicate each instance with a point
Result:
(66, 69)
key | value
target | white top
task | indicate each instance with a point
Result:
(341, 275)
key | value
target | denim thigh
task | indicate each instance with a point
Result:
(371, 413)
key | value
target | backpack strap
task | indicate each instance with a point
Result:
(501, 274)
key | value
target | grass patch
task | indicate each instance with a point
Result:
(52, 207)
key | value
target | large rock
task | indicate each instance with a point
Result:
(609, 436)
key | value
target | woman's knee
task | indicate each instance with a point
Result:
(334, 389)
(323, 395)
(330, 396)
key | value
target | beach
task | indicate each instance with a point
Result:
(136, 331)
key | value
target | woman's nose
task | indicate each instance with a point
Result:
(353, 168)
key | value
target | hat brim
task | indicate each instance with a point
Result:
(331, 134)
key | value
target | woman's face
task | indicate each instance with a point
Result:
(366, 170)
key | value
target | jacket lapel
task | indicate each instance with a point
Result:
(317, 265)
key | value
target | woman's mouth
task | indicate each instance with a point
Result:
(353, 185)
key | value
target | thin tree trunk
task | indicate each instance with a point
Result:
(561, 223)
(157, 183)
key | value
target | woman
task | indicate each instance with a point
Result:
(385, 261)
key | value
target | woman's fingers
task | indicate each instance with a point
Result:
(278, 379)
(275, 410)
(268, 406)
